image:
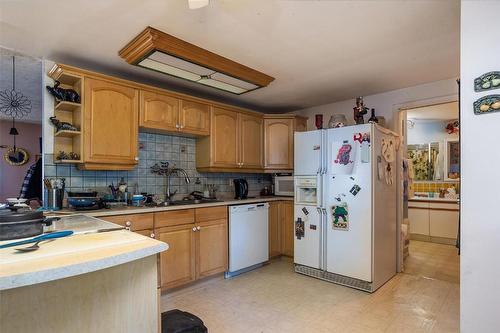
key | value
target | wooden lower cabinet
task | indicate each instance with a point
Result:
(274, 229)
(281, 228)
(177, 264)
(211, 248)
(287, 228)
(196, 250)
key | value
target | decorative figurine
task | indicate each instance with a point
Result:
(373, 118)
(62, 125)
(62, 94)
(319, 121)
(359, 111)
(62, 155)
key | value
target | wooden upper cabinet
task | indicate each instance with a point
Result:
(194, 117)
(278, 139)
(158, 111)
(224, 138)
(300, 124)
(111, 113)
(251, 144)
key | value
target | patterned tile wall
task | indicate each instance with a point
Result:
(154, 148)
(434, 186)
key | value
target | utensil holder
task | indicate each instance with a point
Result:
(54, 199)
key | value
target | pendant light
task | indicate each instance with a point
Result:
(14, 104)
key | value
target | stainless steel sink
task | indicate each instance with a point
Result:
(190, 202)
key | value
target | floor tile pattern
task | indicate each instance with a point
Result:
(275, 299)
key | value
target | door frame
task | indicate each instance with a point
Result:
(399, 126)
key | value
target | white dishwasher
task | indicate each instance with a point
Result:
(248, 237)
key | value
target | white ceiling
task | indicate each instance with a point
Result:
(445, 111)
(318, 51)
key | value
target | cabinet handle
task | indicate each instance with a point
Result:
(194, 228)
(198, 228)
(136, 158)
(128, 224)
(177, 126)
(152, 235)
(182, 126)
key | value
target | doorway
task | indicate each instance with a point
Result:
(431, 191)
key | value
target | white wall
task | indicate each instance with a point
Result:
(480, 231)
(386, 104)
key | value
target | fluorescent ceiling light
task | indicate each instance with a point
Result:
(158, 51)
(195, 4)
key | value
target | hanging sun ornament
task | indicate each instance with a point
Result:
(13, 103)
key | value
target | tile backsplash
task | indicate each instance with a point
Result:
(434, 186)
(178, 151)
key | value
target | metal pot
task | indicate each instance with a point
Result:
(21, 223)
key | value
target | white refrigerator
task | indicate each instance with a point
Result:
(346, 205)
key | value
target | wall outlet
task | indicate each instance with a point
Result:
(230, 182)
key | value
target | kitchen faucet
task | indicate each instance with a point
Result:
(165, 170)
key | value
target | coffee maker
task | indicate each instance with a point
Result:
(240, 188)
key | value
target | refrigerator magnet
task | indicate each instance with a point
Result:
(388, 174)
(355, 189)
(365, 152)
(305, 211)
(299, 228)
(340, 217)
(345, 153)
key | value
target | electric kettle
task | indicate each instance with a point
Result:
(240, 188)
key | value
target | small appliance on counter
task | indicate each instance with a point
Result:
(283, 186)
(240, 188)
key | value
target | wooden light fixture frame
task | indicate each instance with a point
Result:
(151, 40)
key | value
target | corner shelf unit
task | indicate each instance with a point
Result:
(68, 141)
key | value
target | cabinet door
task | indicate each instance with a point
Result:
(300, 124)
(158, 111)
(287, 228)
(274, 229)
(195, 118)
(443, 223)
(177, 264)
(225, 138)
(419, 221)
(211, 250)
(278, 143)
(252, 137)
(110, 123)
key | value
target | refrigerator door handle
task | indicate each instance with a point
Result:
(325, 152)
(320, 249)
(320, 167)
(324, 239)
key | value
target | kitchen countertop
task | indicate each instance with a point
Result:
(74, 255)
(141, 210)
(433, 199)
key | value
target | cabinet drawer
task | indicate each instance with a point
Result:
(172, 218)
(146, 232)
(137, 221)
(444, 206)
(211, 213)
(416, 204)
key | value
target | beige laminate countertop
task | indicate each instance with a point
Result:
(141, 210)
(77, 254)
(433, 199)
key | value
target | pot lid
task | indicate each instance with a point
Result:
(19, 215)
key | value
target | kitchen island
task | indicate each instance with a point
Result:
(87, 282)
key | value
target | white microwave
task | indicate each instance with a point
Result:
(283, 185)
